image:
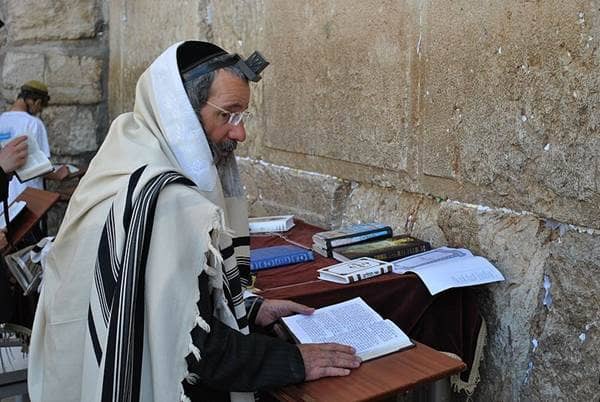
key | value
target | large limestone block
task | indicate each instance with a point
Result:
(139, 31)
(74, 79)
(515, 245)
(51, 19)
(71, 129)
(339, 86)
(510, 110)
(18, 68)
(565, 364)
(274, 190)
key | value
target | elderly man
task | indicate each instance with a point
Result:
(22, 119)
(142, 295)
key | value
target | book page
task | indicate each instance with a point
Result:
(374, 340)
(458, 272)
(351, 323)
(326, 322)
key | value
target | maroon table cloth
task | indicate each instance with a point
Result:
(449, 321)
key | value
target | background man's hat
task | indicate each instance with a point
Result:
(36, 87)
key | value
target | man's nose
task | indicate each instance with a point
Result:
(237, 133)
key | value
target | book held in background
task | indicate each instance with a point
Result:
(37, 163)
(325, 242)
(352, 323)
(388, 249)
(276, 256)
(444, 268)
(354, 270)
(265, 224)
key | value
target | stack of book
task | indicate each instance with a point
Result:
(325, 242)
(373, 240)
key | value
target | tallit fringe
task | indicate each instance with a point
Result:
(192, 378)
(193, 349)
(469, 386)
(202, 324)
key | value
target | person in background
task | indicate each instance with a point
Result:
(22, 119)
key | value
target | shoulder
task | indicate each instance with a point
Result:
(38, 123)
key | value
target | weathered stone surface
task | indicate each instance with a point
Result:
(19, 68)
(141, 32)
(339, 87)
(51, 19)
(510, 113)
(515, 245)
(274, 190)
(74, 79)
(71, 129)
(565, 365)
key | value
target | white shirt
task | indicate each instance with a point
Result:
(16, 123)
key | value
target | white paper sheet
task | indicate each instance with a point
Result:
(444, 268)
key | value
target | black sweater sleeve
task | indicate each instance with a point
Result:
(231, 361)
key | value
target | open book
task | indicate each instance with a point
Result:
(444, 268)
(352, 323)
(37, 163)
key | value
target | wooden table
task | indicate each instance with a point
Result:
(38, 203)
(377, 379)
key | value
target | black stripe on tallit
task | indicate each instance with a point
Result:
(94, 337)
(104, 274)
(227, 252)
(241, 241)
(133, 181)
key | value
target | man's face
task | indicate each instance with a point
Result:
(230, 93)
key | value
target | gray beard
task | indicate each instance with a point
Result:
(222, 151)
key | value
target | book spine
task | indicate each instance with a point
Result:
(352, 239)
(281, 260)
(321, 251)
(275, 226)
(401, 252)
(370, 273)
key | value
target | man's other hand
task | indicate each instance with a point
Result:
(272, 310)
(327, 360)
(14, 154)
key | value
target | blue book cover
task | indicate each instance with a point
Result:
(275, 256)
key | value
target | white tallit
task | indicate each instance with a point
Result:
(163, 133)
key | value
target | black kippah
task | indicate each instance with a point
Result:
(192, 54)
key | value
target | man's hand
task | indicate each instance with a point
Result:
(14, 154)
(272, 310)
(327, 360)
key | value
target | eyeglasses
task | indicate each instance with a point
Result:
(234, 118)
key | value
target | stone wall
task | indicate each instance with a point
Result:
(463, 123)
(64, 44)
